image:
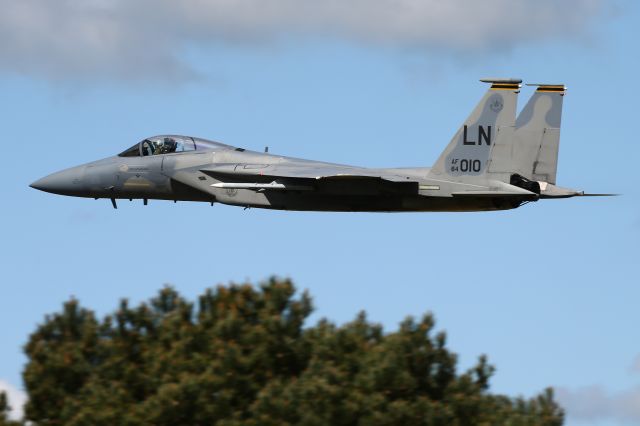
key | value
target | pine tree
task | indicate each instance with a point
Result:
(4, 411)
(241, 355)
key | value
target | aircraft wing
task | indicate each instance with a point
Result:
(322, 176)
(295, 177)
(310, 176)
(317, 171)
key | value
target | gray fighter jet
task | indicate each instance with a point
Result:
(493, 162)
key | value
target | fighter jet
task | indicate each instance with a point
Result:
(493, 162)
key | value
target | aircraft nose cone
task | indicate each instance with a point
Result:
(65, 182)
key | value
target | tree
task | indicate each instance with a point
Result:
(4, 411)
(242, 356)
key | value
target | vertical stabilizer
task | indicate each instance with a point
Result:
(469, 152)
(533, 152)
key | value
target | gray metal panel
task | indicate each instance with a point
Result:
(532, 151)
(468, 153)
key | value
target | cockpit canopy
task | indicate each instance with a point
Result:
(167, 144)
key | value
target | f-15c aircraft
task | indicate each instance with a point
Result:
(493, 162)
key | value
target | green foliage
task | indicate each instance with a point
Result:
(240, 356)
(4, 411)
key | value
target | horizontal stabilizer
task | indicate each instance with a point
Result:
(492, 194)
(552, 191)
(498, 189)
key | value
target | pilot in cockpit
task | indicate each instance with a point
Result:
(168, 146)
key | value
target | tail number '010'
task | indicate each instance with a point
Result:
(470, 165)
(466, 165)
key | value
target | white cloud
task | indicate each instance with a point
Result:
(595, 404)
(17, 399)
(144, 39)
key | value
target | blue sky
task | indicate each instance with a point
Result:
(548, 291)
